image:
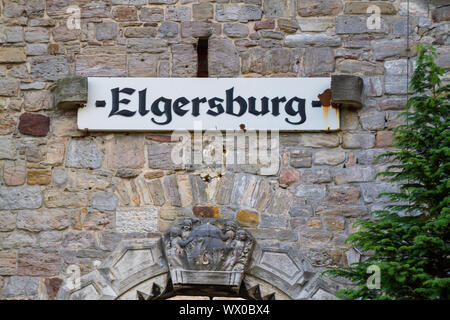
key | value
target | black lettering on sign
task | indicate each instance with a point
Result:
(115, 102)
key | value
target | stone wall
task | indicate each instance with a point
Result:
(68, 197)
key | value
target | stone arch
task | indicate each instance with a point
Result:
(138, 269)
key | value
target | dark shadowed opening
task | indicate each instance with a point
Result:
(202, 54)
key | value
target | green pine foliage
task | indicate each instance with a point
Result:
(409, 239)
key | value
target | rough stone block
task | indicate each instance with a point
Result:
(235, 30)
(268, 61)
(34, 124)
(124, 13)
(223, 58)
(126, 152)
(301, 158)
(202, 11)
(318, 61)
(104, 201)
(106, 31)
(101, 65)
(302, 40)
(178, 14)
(50, 68)
(14, 172)
(358, 141)
(64, 199)
(247, 218)
(184, 60)
(129, 220)
(38, 263)
(354, 174)
(23, 197)
(279, 8)
(7, 221)
(70, 93)
(21, 287)
(308, 8)
(39, 177)
(343, 194)
(83, 154)
(206, 211)
(12, 55)
(329, 158)
(319, 140)
(227, 12)
(9, 87)
(35, 221)
(151, 14)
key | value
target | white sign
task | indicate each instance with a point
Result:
(148, 104)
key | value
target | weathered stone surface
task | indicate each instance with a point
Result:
(33, 124)
(13, 34)
(302, 40)
(334, 223)
(37, 100)
(12, 55)
(288, 25)
(160, 157)
(181, 13)
(21, 287)
(7, 148)
(38, 263)
(76, 240)
(384, 139)
(318, 61)
(265, 24)
(354, 174)
(19, 8)
(235, 30)
(63, 34)
(247, 218)
(125, 152)
(289, 176)
(280, 203)
(273, 222)
(317, 140)
(149, 45)
(39, 177)
(250, 13)
(61, 199)
(9, 87)
(14, 172)
(196, 29)
(43, 221)
(310, 192)
(344, 210)
(23, 197)
(308, 8)
(37, 34)
(267, 61)
(8, 262)
(315, 24)
(343, 194)
(329, 158)
(224, 189)
(49, 68)
(206, 211)
(358, 140)
(355, 7)
(395, 76)
(124, 13)
(184, 61)
(168, 30)
(142, 65)
(227, 12)
(106, 31)
(7, 221)
(301, 158)
(278, 9)
(316, 175)
(83, 154)
(18, 239)
(156, 192)
(104, 201)
(101, 65)
(383, 49)
(349, 24)
(171, 192)
(151, 14)
(223, 59)
(136, 220)
(70, 93)
(202, 11)
(8, 121)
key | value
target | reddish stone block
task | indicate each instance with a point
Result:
(266, 24)
(289, 176)
(206, 212)
(34, 124)
(38, 263)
